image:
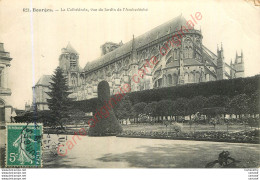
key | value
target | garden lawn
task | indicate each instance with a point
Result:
(116, 152)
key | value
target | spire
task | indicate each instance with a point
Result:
(134, 53)
(236, 58)
(231, 62)
(241, 53)
(133, 42)
(217, 48)
(70, 49)
(221, 47)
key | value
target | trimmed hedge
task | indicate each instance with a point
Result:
(228, 88)
(107, 124)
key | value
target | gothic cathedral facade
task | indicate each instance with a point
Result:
(190, 62)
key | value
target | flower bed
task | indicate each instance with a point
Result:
(235, 137)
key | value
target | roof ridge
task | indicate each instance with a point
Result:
(140, 41)
(44, 80)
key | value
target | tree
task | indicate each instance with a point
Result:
(252, 122)
(195, 105)
(150, 109)
(239, 104)
(59, 101)
(77, 116)
(163, 108)
(124, 110)
(180, 106)
(216, 105)
(253, 104)
(139, 109)
(173, 110)
(104, 122)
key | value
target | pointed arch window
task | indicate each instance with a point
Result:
(169, 78)
(74, 80)
(175, 79)
(190, 52)
(207, 77)
(186, 78)
(188, 48)
(185, 52)
(192, 78)
(159, 82)
(197, 77)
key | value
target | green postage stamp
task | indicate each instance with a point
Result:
(23, 145)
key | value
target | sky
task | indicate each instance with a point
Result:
(35, 40)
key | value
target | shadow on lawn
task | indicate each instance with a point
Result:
(180, 156)
(51, 160)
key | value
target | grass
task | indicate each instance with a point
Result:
(151, 153)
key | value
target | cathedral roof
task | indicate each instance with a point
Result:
(209, 56)
(44, 80)
(140, 41)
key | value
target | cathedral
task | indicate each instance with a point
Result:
(190, 62)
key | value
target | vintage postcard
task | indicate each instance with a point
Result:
(129, 84)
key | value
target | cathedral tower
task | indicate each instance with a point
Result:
(239, 65)
(69, 63)
(220, 63)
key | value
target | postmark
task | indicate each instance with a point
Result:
(24, 145)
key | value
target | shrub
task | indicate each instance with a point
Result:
(176, 127)
(107, 125)
(142, 118)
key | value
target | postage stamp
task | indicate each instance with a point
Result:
(24, 145)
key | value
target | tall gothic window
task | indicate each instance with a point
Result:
(82, 80)
(197, 77)
(207, 77)
(160, 82)
(186, 78)
(190, 52)
(74, 80)
(169, 79)
(185, 52)
(175, 79)
(192, 77)
(73, 60)
(188, 46)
